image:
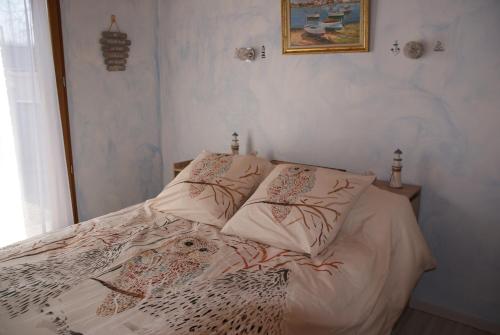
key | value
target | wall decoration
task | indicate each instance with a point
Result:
(439, 47)
(263, 52)
(324, 26)
(414, 50)
(115, 47)
(250, 54)
(395, 48)
(246, 54)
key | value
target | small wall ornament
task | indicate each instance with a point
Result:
(439, 47)
(246, 54)
(250, 54)
(395, 48)
(115, 47)
(414, 50)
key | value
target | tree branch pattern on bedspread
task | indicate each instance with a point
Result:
(185, 277)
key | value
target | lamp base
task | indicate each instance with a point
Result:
(395, 181)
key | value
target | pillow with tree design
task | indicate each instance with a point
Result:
(299, 208)
(212, 187)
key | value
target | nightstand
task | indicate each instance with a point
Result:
(179, 166)
(412, 192)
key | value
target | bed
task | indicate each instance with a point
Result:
(147, 271)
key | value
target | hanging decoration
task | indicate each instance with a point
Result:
(115, 47)
(414, 49)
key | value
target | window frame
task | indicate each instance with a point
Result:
(54, 12)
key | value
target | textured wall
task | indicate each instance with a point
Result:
(114, 115)
(352, 111)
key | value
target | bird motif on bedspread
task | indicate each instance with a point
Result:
(206, 170)
(32, 284)
(154, 271)
(287, 187)
(242, 302)
(29, 285)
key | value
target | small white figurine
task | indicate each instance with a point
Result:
(235, 144)
(397, 166)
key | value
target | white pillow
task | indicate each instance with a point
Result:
(212, 187)
(298, 207)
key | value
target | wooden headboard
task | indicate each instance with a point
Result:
(235, 147)
(179, 166)
(412, 192)
(277, 162)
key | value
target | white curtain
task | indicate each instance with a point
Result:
(34, 187)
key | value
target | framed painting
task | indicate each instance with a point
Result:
(323, 26)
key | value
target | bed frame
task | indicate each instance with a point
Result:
(179, 166)
(235, 150)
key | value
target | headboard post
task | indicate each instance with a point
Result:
(235, 144)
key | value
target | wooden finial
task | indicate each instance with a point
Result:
(235, 144)
(395, 181)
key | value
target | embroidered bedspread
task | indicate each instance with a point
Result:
(139, 271)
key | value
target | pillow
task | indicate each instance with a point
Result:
(299, 208)
(212, 187)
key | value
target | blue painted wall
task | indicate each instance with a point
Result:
(114, 116)
(344, 110)
(353, 110)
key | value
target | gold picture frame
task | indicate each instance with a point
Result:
(325, 26)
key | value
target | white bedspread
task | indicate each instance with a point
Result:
(138, 271)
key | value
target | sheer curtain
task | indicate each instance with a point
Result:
(34, 187)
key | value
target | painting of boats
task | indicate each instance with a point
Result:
(346, 9)
(329, 24)
(325, 25)
(313, 17)
(314, 30)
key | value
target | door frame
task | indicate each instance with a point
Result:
(54, 11)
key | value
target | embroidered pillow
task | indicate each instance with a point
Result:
(212, 187)
(299, 208)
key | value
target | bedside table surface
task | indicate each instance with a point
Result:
(409, 191)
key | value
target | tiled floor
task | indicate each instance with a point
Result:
(414, 322)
